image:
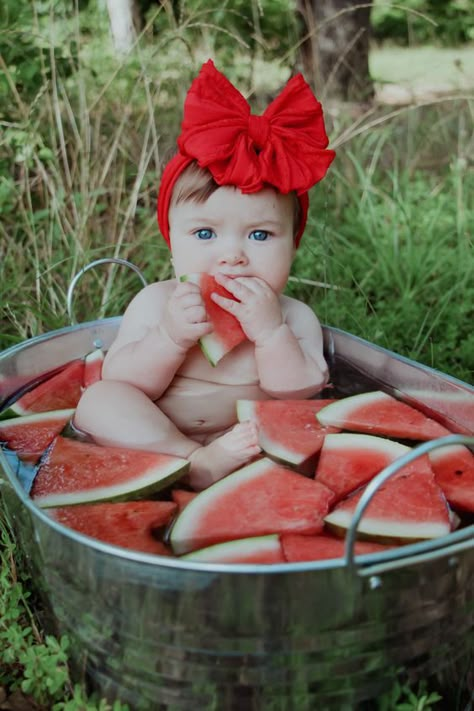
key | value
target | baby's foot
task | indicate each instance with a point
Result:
(223, 455)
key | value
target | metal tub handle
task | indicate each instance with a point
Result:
(375, 485)
(91, 265)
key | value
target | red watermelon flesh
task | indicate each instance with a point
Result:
(76, 472)
(30, 435)
(182, 497)
(348, 461)
(287, 429)
(93, 367)
(227, 331)
(379, 413)
(406, 508)
(259, 550)
(129, 524)
(298, 549)
(260, 499)
(454, 471)
(59, 392)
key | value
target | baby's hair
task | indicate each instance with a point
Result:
(196, 184)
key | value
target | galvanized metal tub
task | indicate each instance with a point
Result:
(159, 633)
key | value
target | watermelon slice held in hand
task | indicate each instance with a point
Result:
(75, 472)
(287, 429)
(30, 435)
(259, 499)
(348, 461)
(128, 524)
(379, 413)
(227, 332)
(405, 508)
(454, 471)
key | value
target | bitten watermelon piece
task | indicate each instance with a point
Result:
(406, 508)
(30, 435)
(347, 461)
(76, 472)
(379, 413)
(259, 499)
(127, 524)
(93, 367)
(258, 550)
(298, 549)
(59, 392)
(287, 429)
(227, 332)
(454, 472)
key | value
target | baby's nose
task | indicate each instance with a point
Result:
(233, 257)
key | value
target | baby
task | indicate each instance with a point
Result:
(232, 203)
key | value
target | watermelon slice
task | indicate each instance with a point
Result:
(298, 549)
(128, 524)
(76, 472)
(258, 550)
(379, 413)
(454, 471)
(406, 508)
(348, 461)
(59, 392)
(259, 499)
(93, 367)
(227, 333)
(29, 436)
(287, 429)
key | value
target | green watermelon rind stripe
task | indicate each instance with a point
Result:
(36, 417)
(393, 529)
(139, 487)
(184, 526)
(254, 544)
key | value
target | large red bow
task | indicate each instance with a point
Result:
(285, 147)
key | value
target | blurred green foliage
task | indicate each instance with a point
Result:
(445, 22)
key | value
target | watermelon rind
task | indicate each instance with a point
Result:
(139, 486)
(238, 551)
(93, 367)
(377, 527)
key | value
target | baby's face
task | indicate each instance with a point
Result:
(235, 234)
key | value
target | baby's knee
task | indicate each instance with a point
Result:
(100, 397)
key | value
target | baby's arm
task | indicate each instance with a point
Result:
(158, 328)
(287, 336)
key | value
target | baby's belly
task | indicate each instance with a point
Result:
(200, 407)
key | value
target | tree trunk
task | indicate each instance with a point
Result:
(123, 17)
(335, 48)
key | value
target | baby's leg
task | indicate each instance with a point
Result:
(223, 455)
(119, 415)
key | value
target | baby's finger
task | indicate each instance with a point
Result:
(196, 314)
(229, 305)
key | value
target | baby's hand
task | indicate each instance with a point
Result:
(257, 307)
(185, 319)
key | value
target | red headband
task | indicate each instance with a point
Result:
(285, 148)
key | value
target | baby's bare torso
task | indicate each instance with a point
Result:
(201, 400)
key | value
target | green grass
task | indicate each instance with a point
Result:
(387, 254)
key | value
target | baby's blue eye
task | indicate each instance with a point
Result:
(205, 234)
(259, 235)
